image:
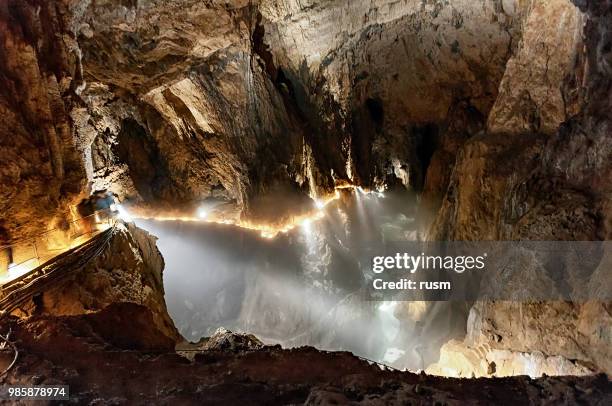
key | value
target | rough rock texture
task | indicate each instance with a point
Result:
(542, 86)
(530, 186)
(270, 375)
(40, 169)
(578, 332)
(172, 103)
(542, 83)
(380, 77)
(184, 98)
(180, 101)
(129, 270)
(498, 111)
(558, 190)
(225, 340)
(180, 108)
(553, 338)
(476, 205)
(459, 360)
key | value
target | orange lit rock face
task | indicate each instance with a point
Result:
(41, 170)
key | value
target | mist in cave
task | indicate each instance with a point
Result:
(305, 287)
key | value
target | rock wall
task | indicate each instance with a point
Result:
(172, 103)
(558, 191)
(542, 183)
(541, 87)
(184, 92)
(379, 78)
(180, 101)
(205, 90)
(40, 168)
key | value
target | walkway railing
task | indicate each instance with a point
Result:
(23, 256)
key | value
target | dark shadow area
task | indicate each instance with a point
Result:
(136, 149)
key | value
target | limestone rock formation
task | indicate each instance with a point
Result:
(173, 103)
(577, 332)
(187, 110)
(225, 340)
(40, 167)
(459, 360)
(129, 270)
(205, 90)
(543, 187)
(497, 111)
(383, 76)
(541, 87)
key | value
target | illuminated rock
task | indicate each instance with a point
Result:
(128, 270)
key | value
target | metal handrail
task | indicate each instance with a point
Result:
(37, 251)
(21, 242)
(14, 292)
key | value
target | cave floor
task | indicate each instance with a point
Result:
(105, 362)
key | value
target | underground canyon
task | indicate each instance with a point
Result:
(238, 202)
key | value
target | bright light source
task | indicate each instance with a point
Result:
(306, 225)
(319, 203)
(123, 214)
(203, 212)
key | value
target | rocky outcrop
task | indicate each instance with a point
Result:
(225, 340)
(557, 192)
(542, 85)
(462, 361)
(576, 332)
(513, 338)
(128, 270)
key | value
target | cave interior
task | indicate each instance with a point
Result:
(207, 180)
